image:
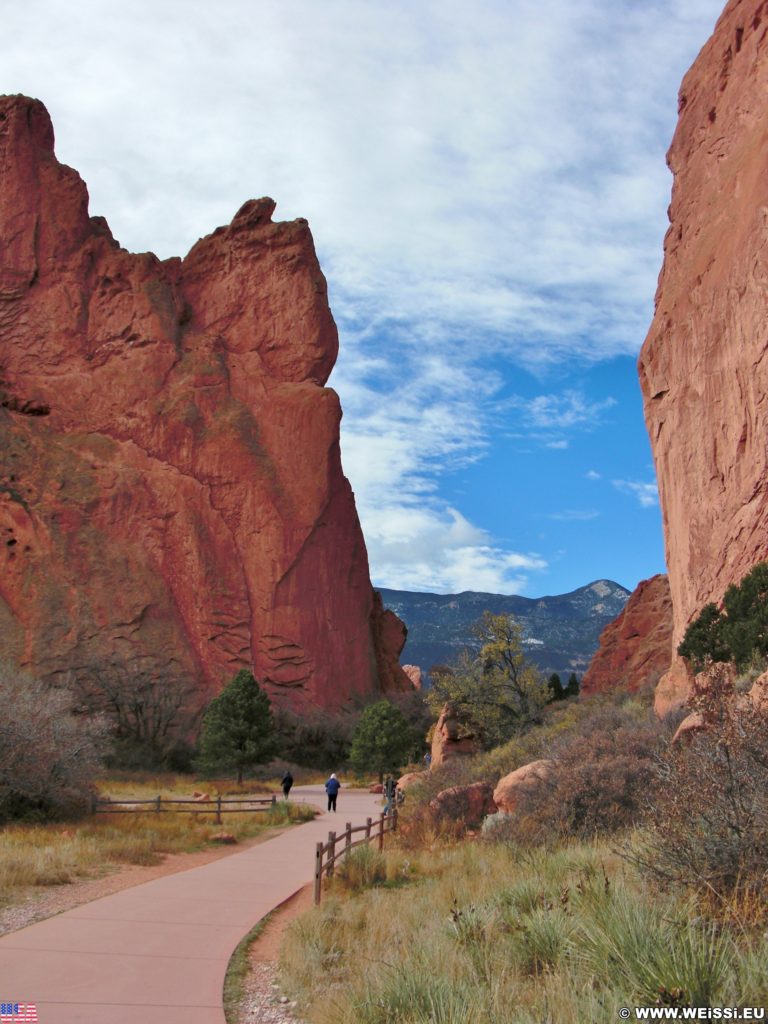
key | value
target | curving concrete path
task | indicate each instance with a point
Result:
(158, 952)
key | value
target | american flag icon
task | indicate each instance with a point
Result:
(18, 1013)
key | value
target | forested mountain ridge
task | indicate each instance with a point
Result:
(561, 631)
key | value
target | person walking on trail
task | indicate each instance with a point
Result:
(390, 789)
(286, 784)
(332, 788)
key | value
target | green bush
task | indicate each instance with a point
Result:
(739, 632)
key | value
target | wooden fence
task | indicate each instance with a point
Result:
(326, 854)
(161, 804)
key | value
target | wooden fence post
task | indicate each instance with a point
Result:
(368, 823)
(381, 833)
(348, 840)
(274, 801)
(218, 809)
(157, 803)
(318, 872)
(332, 851)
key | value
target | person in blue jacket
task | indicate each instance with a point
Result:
(332, 788)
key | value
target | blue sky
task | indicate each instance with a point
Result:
(487, 189)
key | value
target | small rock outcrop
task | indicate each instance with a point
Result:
(704, 366)
(636, 648)
(449, 739)
(416, 676)
(171, 493)
(513, 787)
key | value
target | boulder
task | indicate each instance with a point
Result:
(703, 367)
(172, 499)
(468, 804)
(636, 648)
(408, 779)
(449, 739)
(689, 727)
(521, 781)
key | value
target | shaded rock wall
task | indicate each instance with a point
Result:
(703, 366)
(171, 491)
(636, 648)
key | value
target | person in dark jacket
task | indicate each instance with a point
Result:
(286, 784)
(332, 788)
(390, 789)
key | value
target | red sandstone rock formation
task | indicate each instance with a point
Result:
(636, 648)
(408, 779)
(171, 491)
(447, 739)
(511, 788)
(468, 804)
(703, 367)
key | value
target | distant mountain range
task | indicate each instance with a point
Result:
(561, 632)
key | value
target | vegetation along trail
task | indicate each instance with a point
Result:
(159, 951)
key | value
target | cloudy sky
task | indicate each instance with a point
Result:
(487, 190)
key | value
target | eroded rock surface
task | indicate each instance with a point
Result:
(468, 804)
(703, 367)
(636, 648)
(520, 783)
(171, 491)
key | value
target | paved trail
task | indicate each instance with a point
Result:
(157, 953)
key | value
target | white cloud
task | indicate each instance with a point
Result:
(592, 474)
(646, 494)
(494, 168)
(575, 515)
(394, 448)
(563, 411)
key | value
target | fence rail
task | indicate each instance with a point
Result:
(190, 805)
(326, 854)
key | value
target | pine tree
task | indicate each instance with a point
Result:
(555, 688)
(572, 689)
(382, 741)
(238, 730)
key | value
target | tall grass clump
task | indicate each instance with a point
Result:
(361, 868)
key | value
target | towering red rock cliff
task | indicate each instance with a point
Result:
(703, 367)
(636, 648)
(171, 491)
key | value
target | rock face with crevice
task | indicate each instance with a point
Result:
(171, 491)
(703, 367)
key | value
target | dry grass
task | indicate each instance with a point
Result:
(42, 855)
(495, 934)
